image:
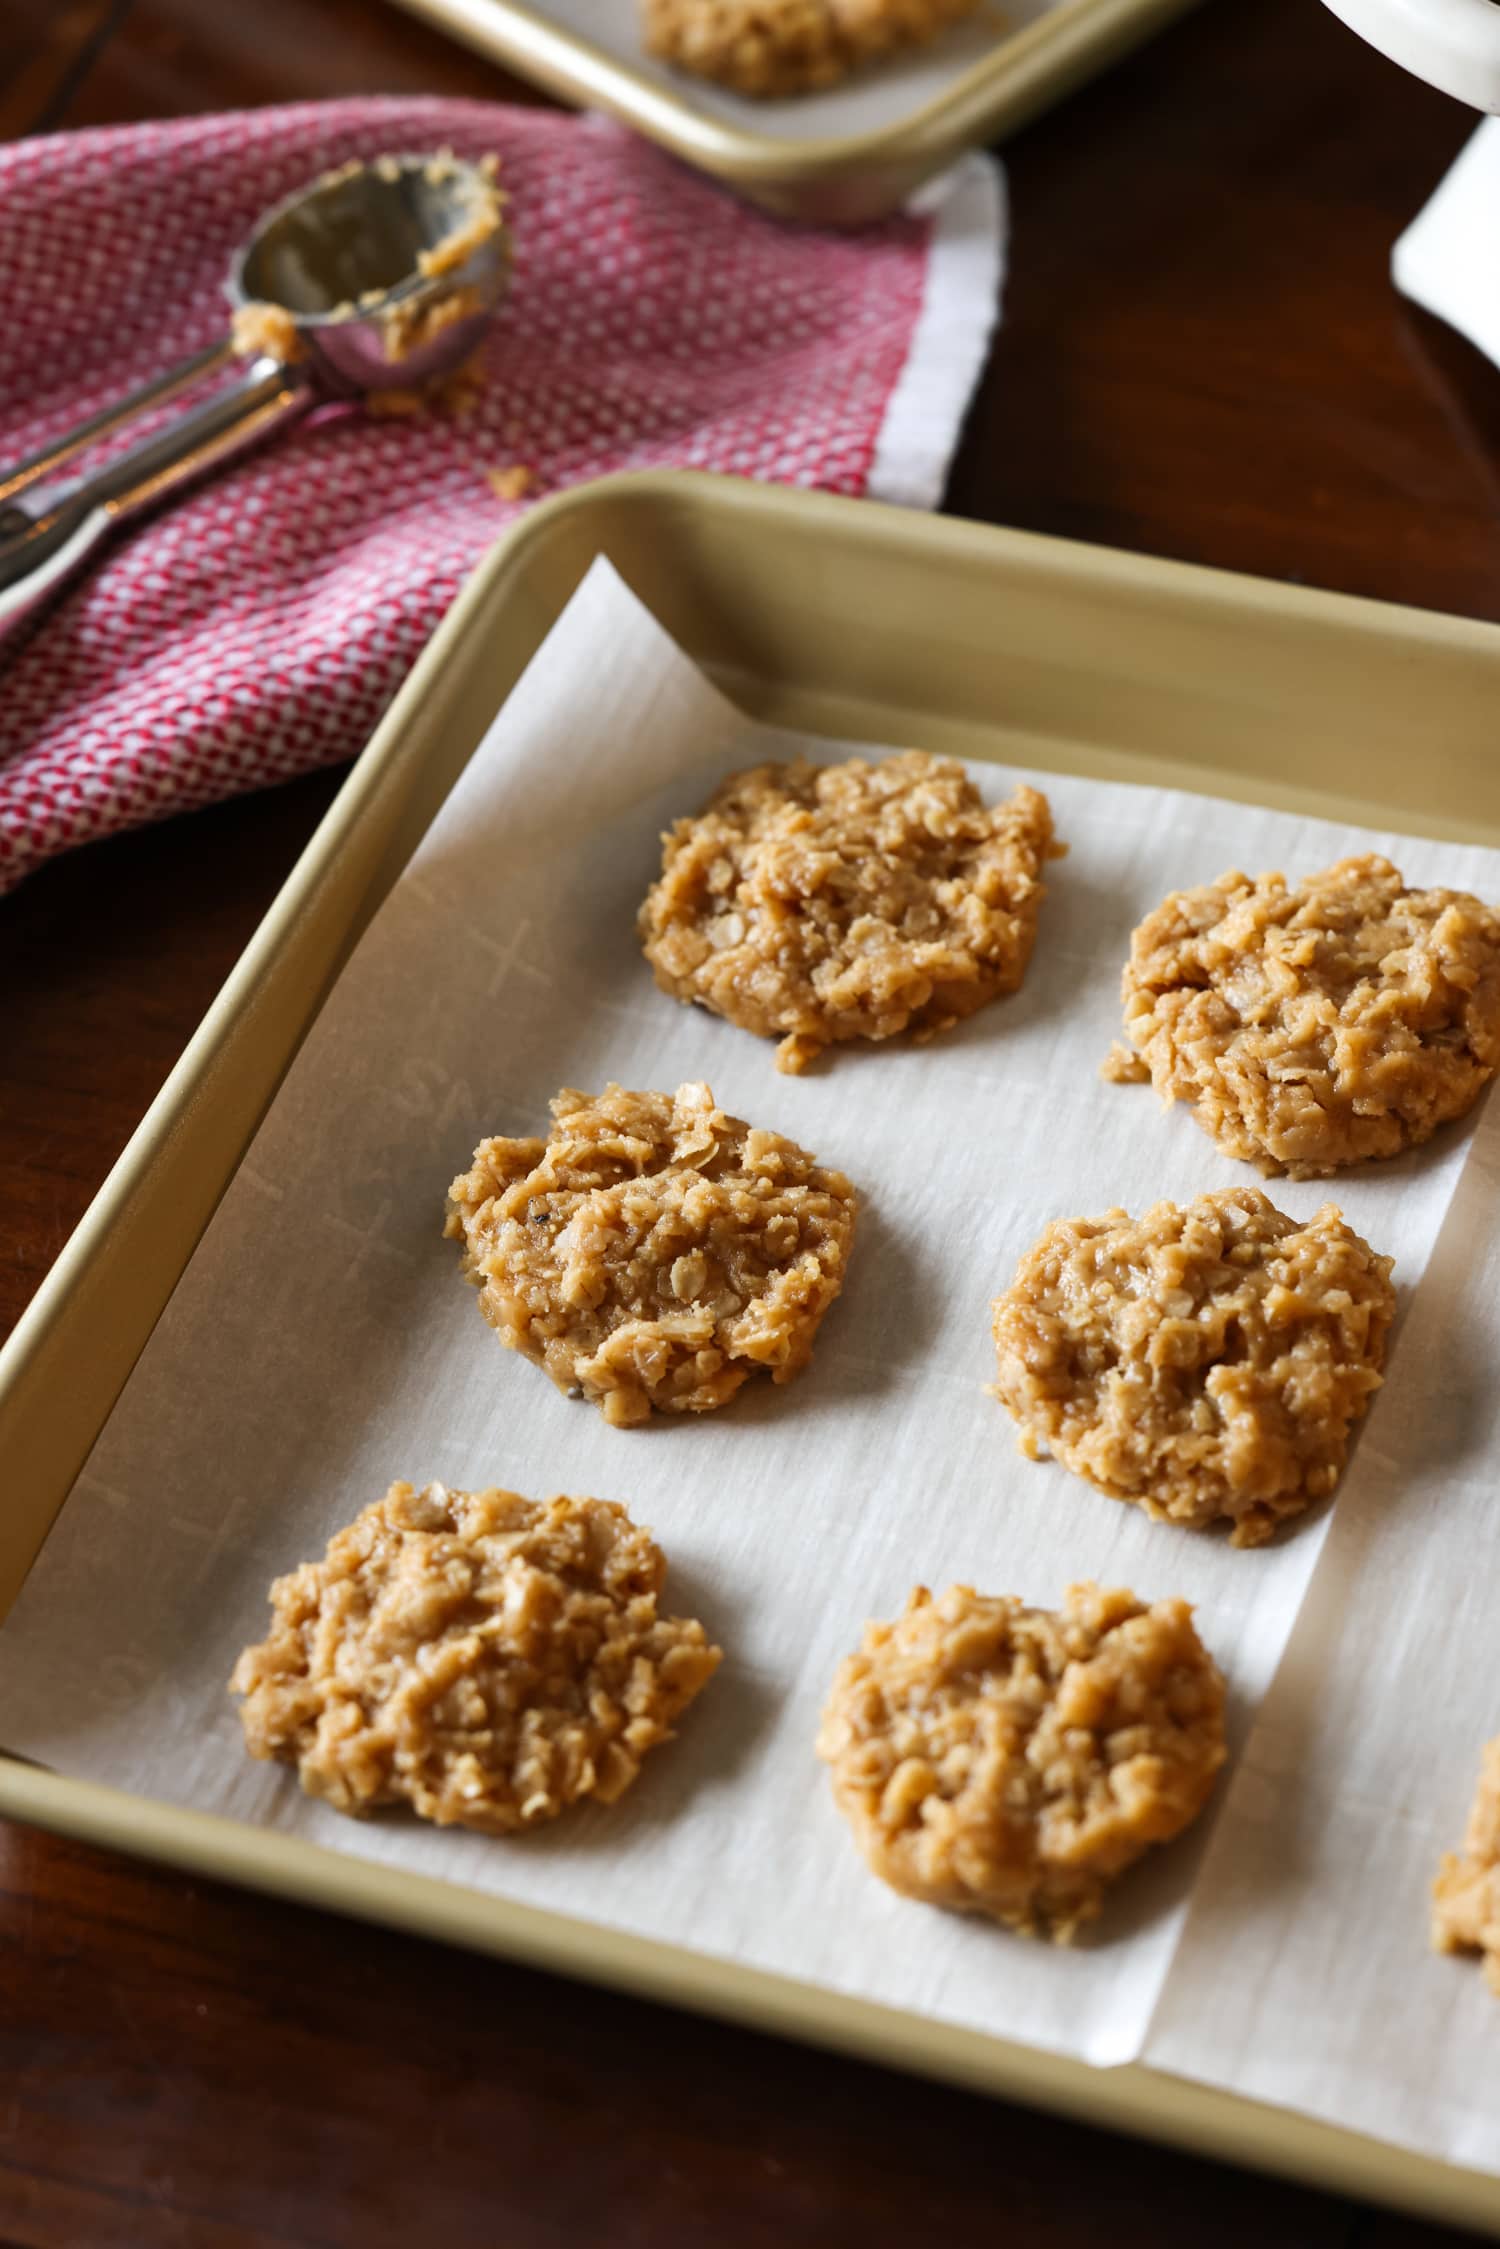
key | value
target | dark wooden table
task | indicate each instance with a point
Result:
(1201, 357)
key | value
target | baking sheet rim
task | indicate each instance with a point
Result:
(1132, 2098)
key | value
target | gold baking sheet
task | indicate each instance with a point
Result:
(862, 622)
(836, 158)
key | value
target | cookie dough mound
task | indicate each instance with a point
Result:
(1208, 1360)
(823, 902)
(653, 1252)
(1319, 1026)
(1012, 1761)
(485, 1658)
(773, 48)
(1466, 1894)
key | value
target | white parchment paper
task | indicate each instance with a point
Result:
(322, 1343)
(1311, 1910)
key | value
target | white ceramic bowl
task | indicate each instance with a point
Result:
(1453, 44)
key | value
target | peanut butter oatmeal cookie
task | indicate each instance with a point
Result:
(1466, 1894)
(653, 1252)
(1012, 1761)
(1318, 1026)
(487, 1659)
(1206, 1361)
(824, 902)
(773, 48)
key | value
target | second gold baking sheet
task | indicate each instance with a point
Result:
(835, 158)
(856, 621)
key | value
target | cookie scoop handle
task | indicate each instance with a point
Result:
(54, 529)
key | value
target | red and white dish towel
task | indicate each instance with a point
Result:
(261, 625)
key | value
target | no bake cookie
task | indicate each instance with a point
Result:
(1316, 1025)
(486, 1659)
(774, 48)
(652, 1253)
(1208, 1360)
(818, 903)
(1011, 1761)
(1466, 1894)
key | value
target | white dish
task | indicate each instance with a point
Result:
(1453, 44)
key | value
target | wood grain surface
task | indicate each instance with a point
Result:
(1201, 357)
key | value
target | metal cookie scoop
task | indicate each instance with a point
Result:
(379, 277)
